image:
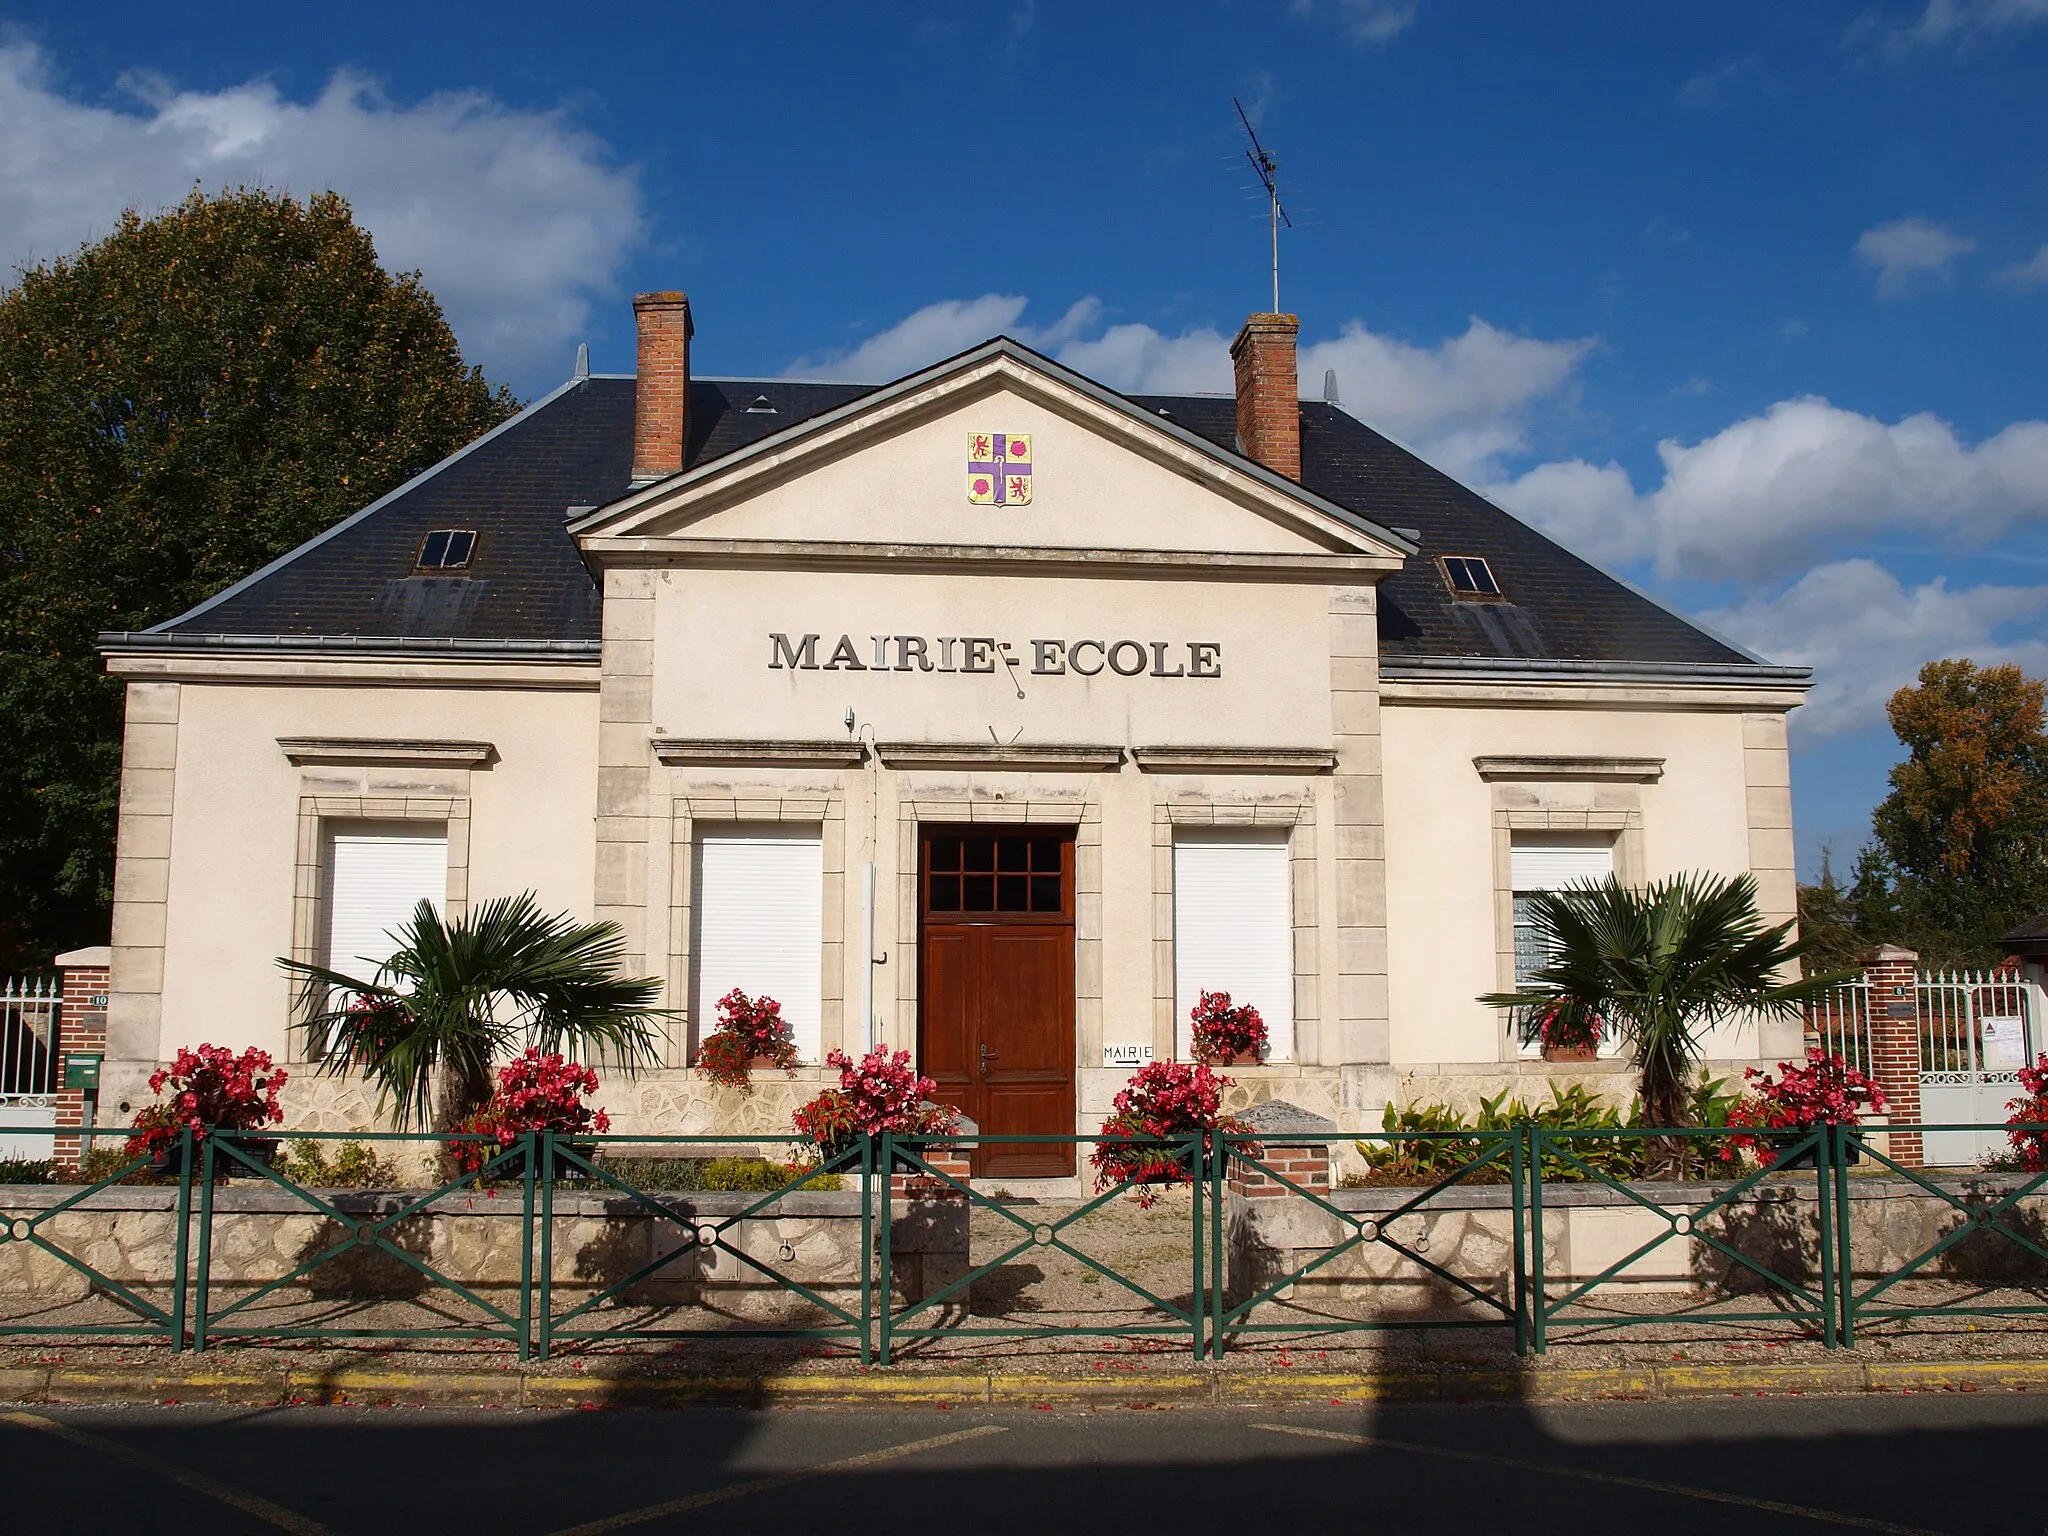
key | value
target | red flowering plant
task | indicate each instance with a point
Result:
(880, 1092)
(537, 1091)
(1562, 1027)
(2030, 1147)
(1826, 1091)
(749, 1029)
(1163, 1100)
(1223, 1030)
(211, 1088)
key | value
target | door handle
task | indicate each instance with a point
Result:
(987, 1056)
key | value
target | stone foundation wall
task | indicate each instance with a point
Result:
(262, 1234)
(1587, 1228)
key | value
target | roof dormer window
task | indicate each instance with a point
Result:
(447, 549)
(1469, 577)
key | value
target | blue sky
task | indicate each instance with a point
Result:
(1745, 301)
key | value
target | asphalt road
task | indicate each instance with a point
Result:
(1960, 1465)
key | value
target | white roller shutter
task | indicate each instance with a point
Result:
(757, 923)
(376, 878)
(1233, 930)
(1550, 862)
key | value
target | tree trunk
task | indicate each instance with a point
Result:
(458, 1095)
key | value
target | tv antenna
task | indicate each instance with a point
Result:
(1269, 177)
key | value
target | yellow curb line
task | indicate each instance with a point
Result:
(534, 1389)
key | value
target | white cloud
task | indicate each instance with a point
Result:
(2031, 273)
(1906, 251)
(1461, 403)
(1368, 21)
(1794, 483)
(516, 219)
(1951, 23)
(1865, 635)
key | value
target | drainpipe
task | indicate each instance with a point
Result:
(867, 957)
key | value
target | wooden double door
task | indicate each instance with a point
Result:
(996, 987)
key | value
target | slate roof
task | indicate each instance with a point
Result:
(527, 582)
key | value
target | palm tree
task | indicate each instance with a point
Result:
(457, 995)
(1661, 965)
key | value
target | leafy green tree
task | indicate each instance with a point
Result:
(1661, 965)
(458, 996)
(180, 403)
(1960, 853)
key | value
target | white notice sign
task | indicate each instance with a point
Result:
(1130, 1054)
(2005, 1040)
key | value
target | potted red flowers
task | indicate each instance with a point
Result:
(1164, 1102)
(751, 1033)
(880, 1092)
(1226, 1035)
(1568, 1034)
(536, 1091)
(211, 1089)
(1782, 1110)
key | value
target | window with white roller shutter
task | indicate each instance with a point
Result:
(757, 923)
(1550, 861)
(1233, 929)
(377, 874)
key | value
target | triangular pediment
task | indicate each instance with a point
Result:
(898, 468)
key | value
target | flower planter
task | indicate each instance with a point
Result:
(1852, 1152)
(1571, 1053)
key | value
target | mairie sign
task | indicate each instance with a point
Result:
(986, 653)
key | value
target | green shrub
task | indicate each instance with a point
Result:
(27, 1170)
(104, 1162)
(1571, 1107)
(654, 1174)
(351, 1165)
(756, 1175)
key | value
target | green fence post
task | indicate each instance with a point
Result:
(204, 1284)
(547, 1245)
(526, 1246)
(1824, 1182)
(1219, 1241)
(1198, 1181)
(1538, 1327)
(180, 1246)
(887, 1290)
(1520, 1157)
(867, 1251)
(1845, 1222)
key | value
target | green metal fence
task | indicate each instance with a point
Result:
(888, 1250)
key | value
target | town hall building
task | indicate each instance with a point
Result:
(988, 712)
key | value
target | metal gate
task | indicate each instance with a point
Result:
(1977, 1029)
(28, 1065)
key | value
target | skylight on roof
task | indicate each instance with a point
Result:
(1469, 576)
(447, 549)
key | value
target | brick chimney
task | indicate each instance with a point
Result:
(661, 396)
(1268, 393)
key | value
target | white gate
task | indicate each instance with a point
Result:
(28, 1065)
(1977, 1029)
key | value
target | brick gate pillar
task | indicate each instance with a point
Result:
(1894, 991)
(81, 1031)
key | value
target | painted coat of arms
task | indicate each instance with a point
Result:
(998, 469)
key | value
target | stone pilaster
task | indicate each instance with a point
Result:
(142, 880)
(1767, 792)
(625, 761)
(1362, 1033)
